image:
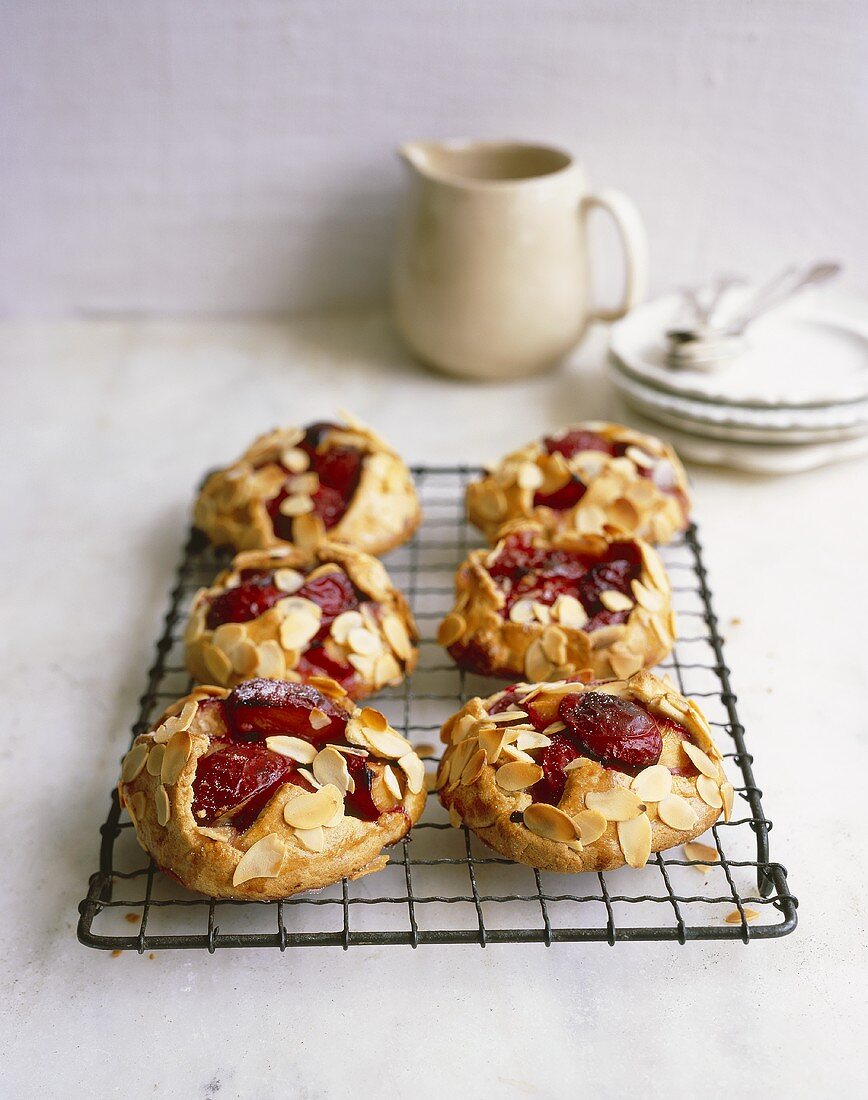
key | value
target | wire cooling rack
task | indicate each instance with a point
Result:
(442, 885)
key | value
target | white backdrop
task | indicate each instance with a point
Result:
(224, 157)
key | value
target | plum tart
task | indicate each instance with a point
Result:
(290, 614)
(339, 482)
(594, 478)
(546, 607)
(583, 777)
(270, 789)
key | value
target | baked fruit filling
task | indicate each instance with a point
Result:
(263, 735)
(593, 591)
(322, 478)
(618, 733)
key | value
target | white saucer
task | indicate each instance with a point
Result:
(811, 352)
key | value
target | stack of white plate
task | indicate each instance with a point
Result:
(796, 397)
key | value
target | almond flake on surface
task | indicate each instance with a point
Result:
(164, 809)
(261, 860)
(709, 791)
(134, 761)
(550, 822)
(649, 598)
(491, 741)
(308, 530)
(298, 629)
(307, 774)
(618, 804)
(522, 612)
(298, 505)
(386, 669)
(536, 665)
(294, 459)
(217, 664)
(518, 775)
(313, 840)
(391, 782)
(634, 837)
(700, 759)
(625, 663)
(530, 739)
(727, 793)
(505, 716)
(397, 636)
(615, 601)
(512, 752)
(364, 642)
(318, 718)
(343, 624)
(309, 811)
(676, 812)
(215, 832)
(451, 629)
(702, 854)
(330, 767)
(654, 783)
(530, 476)
(387, 743)
(293, 747)
(554, 644)
(591, 825)
(175, 757)
(288, 580)
(188, 713)
(155, 759)
(569, 612)
(414, 769)
(474, 768)
(491, 503)
(734, 917)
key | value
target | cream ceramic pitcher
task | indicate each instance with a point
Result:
(491, 268)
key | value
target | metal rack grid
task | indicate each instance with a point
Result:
(442, 885)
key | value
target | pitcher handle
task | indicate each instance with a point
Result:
(634, 241)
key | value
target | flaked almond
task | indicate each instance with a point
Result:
(458, 759)
(343, 624)
(615, 601)
(536, 665)
(550, 822)
(294, 459)
(518, 775)
(454, 818)
(634, 837)
(618, 804)
(392, 783)
(414, 769)
(309, 811)
(554, 644)
(491, 741)
(727, 794)
(261, 860)
(175, 757)
(703, 854)
(529, 476)
(734, 917)
(386, 669)
(474, 768)
(217, 664)
(624, 661)
(270, 660)
(292, 747)
(364, 642)
(155, 759)
(288, 580)
(318, 719)
(330, 767)
(591, 825)
(298, 629)
(387, 743)
(451, 629)
(313, 840)
(624, 514)
(530, 739)
(512, 752)
(700, 759)
(297, 505)
(164, 809)
(397, 636)
(709, 791)
(522, 612)
(649, 598)
(504, 717)
(654, 783)
(676, 812)
(308, 531)
(569, 612)
(542, 612)
(134, 761)
(491, 505)
(462, 728)
(244, 657)
(307, 774)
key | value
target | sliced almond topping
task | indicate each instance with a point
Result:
(530, 476)
(654, 783)
(569, 612)
(618, 804)
(298, 629)
(414, 769)
(155, 759)
(261, 860)
(709, 791)
(293, 747)
(454, 818)
(386, 669)
(217, 664)
(215, 832)
(649, 598)
(392, 783)
(175, 757)
(634, 836)
(397, 636)
(387, 743)
(343, 624)
(309, 811)
(365, 666)
(308, 530)
(518, 776)
(506, 716)
(244, 657)
(458, 759)
(294, 459)
(228, 635)
(270, 661)
(330, 767)
(188, 713)
(530, 739)
(307, 774)
(734, 917)
(550, 822)
(441, 776)
(702, 853)
(136, 807)
(164, 810)
(591, 825)
(522, 612)
(640, 457)
(615, 601)
(462, 729)
(702, 761)
(373, 719)
(364, 641)
(491, 505)
(288, 580)
(536, 665)
(554, 644)
(555, 727)
(513, 753)
(491, 740)
(305, 484)
(727, 793)
(676, 812)
(134, 761)
(297, 505)
(311, 839)
(607, 635)
(451, 629)
(624, 661)
(474, 768)
(318, 719)
(542, 612)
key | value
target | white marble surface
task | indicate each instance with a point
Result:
(107, 427)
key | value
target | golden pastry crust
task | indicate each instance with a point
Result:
(273, 859)
(605, 818)
(620, 502)
(377, 641)
(383, 512)
(547, 643)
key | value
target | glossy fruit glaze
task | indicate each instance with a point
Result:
(523, 571)
(235, 783)
(338, 469)
(618, 733)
